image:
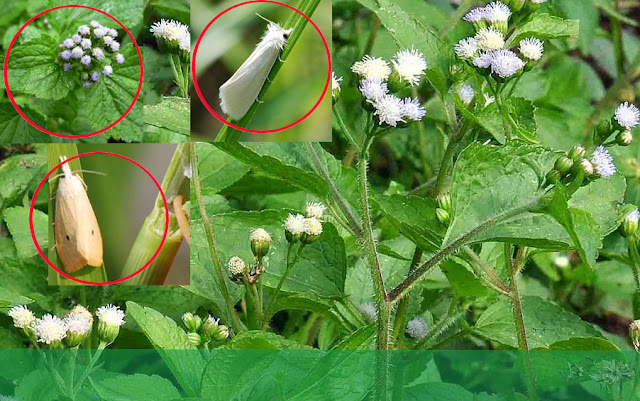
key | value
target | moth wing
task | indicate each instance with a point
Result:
(89, 236)
(66, 232)
(242, 89)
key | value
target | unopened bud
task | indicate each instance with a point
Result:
(629, 224)
(624, 138)
(563, 165)
(604, 128)
(192, 322)
(222, 333)
(634, 334)
(260, 242)
(443, 216)
(444, 202)
(552, 177)
(212, 329)
(194, 338)
(237, 269)
(577, 153)
(587, 167)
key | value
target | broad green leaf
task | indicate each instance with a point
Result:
(136, 387)
(36, 386)
(546, 324)
(168, 119)
(489, 118)
(67, 20)
(17, 219)
(438, 80)
(261, 340)
(545, 26)
(464, 283)
(363, 338)
(589, 17)
(170, 9)
(19, 175)
(28, 278)
(523, 112)
(167, 337)
(9, 299)
(218, 169)
(33, 69)
(584, 344)
(414, 217)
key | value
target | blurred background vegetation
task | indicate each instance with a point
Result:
(227, 44)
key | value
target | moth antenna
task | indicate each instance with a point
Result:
(265, 19)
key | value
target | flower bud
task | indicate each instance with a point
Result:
(629, 224)
(552, 177)
(634, 333)
(624, 138)
(587, 167)
(260, 242)
(577, 153)
(443, 216)
(212, 329)
(110, 318)
(237, 269)
(516, 5)
(78, 329)
(563, 165)
(194, 338)
(312, 230)
(604, 128)
(222, 333)
(192, 322)
(294, 227)
(444, 202)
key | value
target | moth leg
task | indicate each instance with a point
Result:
(270, 81)
(259, 101)
(281, 60)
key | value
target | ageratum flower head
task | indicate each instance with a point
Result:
(497, 15)
(466, 49)
(627, 115)
(110, 318)
(410, 65)
(312, 230)
(531, 48)
(489, 39)
(603, 162)
(412, 109)
(373, 89)
(335, 84)
(466, 93)
(483, 60)
(22, 316)
(50, 330)
(173, 35)
(315, 209)
(476, 17)
(294, 227)
(505, 63)
(372, 67)
(389, 109)
(417, 328)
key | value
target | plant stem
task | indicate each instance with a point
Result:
(493, 281)
(290, 264)
(298, 23)
(443, 173)
(616, 33)
(518, 317)
(635, 259)
(92, 362)
(400, 321)
(343, 127)
(373, 34)
(254, 307)
(208, 229)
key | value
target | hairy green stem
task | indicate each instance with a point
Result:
(273, 303)
(616, 33)
(635, 259)
(401, 311)
(343, 127)
(208, 229)
(493, 281)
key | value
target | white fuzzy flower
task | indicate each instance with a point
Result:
(110, 315)
(372, 67)
(185, 42)
(475, 15)
(603, 162)
(497, 11)
(76, 52)
(389, 109)
(467, 48)
(368, 309)
(66, 55)
(95, 24)
(119, 58)
(410, 66)
(67, 66)
(169, 30)
(86, 60)
(50, 329)
(505, 63)
(100, 32)
(77, 324)
(627, 115)
(315, 209)
(84, 30)
(489, 39)
(236, 266)
(68, 43)
(294, 224)
(562, 261)
(483, 60)
(488, 99)
(113, 32)
(22, 316)
(95, 76)
(85, 43)
(335, 84)
(466, 93)
(373, 89)
(98, 53)
(531, 48)
(115, 46)
(417, 328)
(76, 38)
(107, 40)
(412, 109)
(81, 311)
(260, 235)
(107, 70)
(312, 226)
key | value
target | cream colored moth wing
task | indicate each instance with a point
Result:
(78, 238)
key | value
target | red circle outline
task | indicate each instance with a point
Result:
(36, 126)
(33, 234)
(253, 131)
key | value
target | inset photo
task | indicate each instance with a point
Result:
(107, 211)
(261, 71)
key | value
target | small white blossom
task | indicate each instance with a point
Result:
(84, 30)
(85, 43)
(76, 52)
(505, 63)
(372, 67)
(107, 70)
(95, 24)
(488, 99)
(260, 235)
(497, 11)
(119, 58)
(98, 53)
(315, 209)
(373, 89)
(562, 261)
(466, 93)
(76, 38)
(67, 66)
(389, 109)
(467, 48)
(627, 115)
(483, 60)
(417, 328)
(294, 224)
(68, 43)
(50, 329)
(81, 311)
(107, 40)
(115, 46)
(86, 60)
(410, 66)
(100, 32)
(531, 48)
(312, 226)
(603, 162)
(475, 15)
(170, 30)
(368, 309)
(113, 32)
(185, 42)
(110, 315)
(412, 109)
(489, 39)
(66, 55)
(95, 76)
(77, 324)
(22, 316)
(236, 266)
(335, 84)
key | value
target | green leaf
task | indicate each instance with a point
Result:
(414, 217)
(363, 338)
(136, 387)
(170, 9)
(489, 118)
(19, 175)
(437, 392)
(168, 119)
(584, 344)
(9, 299)
(545, 26)
(261, 340)
(17, 219)
(546, 324)
(524, 113)
(167, 337)
(464, 283)
(33, 69)
(218, 170)
(589, 17)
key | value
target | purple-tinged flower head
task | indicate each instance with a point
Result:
(475, 15)
(68, 43)
(119, 58)
(603, 162)
(76, 52)
(389, 109)
(85, 43)
(115, 46)
(107, 70)
(107, 40)
(95, 24)
(84, 30)
(373, 88)
(86, 60)
(86, 84)
(466, 49)
(95, 76)
(67, 66)
(98, 53)
(100, 32)
(505, 63)
(412, 109)
(483, 60)
(410, 66)
(113, 32)
(497, 11)
(66, 55)
(76, 38)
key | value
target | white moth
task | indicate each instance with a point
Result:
(78, 239)
(242, 89)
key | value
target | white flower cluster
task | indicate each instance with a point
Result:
(417, 328)
(627, 115)
(173, 34)
(335, 84)
(409, 67)
(602, 163)
(486, 50)
(307, 227)
(90, 51)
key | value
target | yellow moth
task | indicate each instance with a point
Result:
(78, 239)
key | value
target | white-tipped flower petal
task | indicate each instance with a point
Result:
(505, 63)
(389, 109)
(372, 67)
(50, 329)
(627, 115)
(603, 162)
(497, 11)
(410, 66)
(489, 39)
(531, 48)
